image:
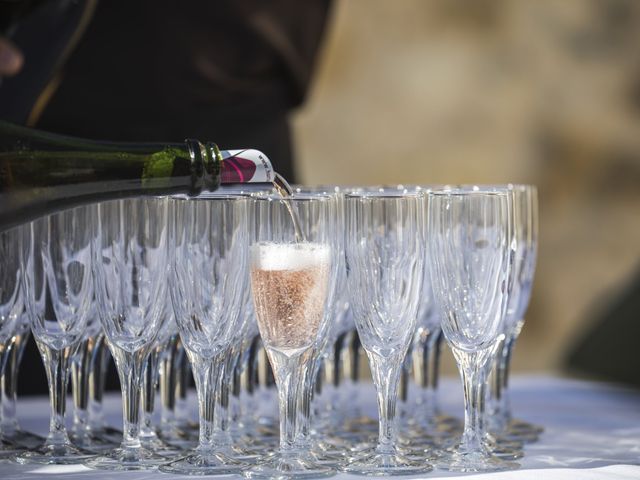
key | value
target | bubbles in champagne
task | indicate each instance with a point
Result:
(289, 283)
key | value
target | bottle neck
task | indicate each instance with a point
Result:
(206, 164)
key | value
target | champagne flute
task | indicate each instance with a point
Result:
(99, 364)
(469, 236)
(292, 282)
(148, 436)
(59, 297)
(130, 276)
(526, 233)
(208, 284)
(385, 258)
(82, 432)
(13, 323)
(170, 429)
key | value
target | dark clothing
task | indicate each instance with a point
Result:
(163, 70)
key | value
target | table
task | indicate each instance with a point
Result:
(592, 432)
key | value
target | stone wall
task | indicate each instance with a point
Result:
(453, 91)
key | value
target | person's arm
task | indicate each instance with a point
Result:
(11, 58)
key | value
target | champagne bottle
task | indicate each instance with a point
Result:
(42, 172)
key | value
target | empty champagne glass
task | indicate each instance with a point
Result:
(385, 265)
(10, 430)
(130, 276)
(469, 237)
(526, 233)
(13, 322)
(170, 430)
(99, 364)
(82, 432)
(208, 284)
(292, 283)
(59, 297)
(148, 436)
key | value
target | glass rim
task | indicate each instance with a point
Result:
(383, 195)
(296, 197)
(487, 186)
(458, 192)
(209, 197)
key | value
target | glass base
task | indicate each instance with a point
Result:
(177, 437)
(23, 439)
(411, 439)
(201, 463)
(127, 459)
(432, 432)
(506, 452)
(329, 452)
(160, 447)
(9, 449)
(107, 433)
(260, 445)
(328, 455)
(474, 461)
(237, 454)
(65, 454)
(522, 431)
(384, 464)
(503, 448)
(422, 454)
(92, 443)
(290, 465)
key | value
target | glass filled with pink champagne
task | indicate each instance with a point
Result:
(293, 269)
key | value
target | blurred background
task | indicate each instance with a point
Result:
(544, 92)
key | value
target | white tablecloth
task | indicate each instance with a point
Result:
(592, 431)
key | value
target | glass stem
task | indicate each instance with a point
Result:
(309, 381)
(386, 378)
(494, 398)
(206, 373)
(240, 365)
(247, 405)
(9, 382)
(181, 366)
(149, 380)
(434, 363)
(168, 383)
(97, 378)
(5, 379)
(335, 414)
(290, 380)
(420, 361)
(130, 366)
(504, 364)
(472, 368)
(222, 394)
(56, 364)
(329, 413)
(80, 366)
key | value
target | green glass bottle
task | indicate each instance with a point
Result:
(42, 172)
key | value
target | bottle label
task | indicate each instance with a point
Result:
(246, 166)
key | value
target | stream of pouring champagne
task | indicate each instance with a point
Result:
(284, 190)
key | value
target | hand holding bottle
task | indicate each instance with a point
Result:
(11, 58)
